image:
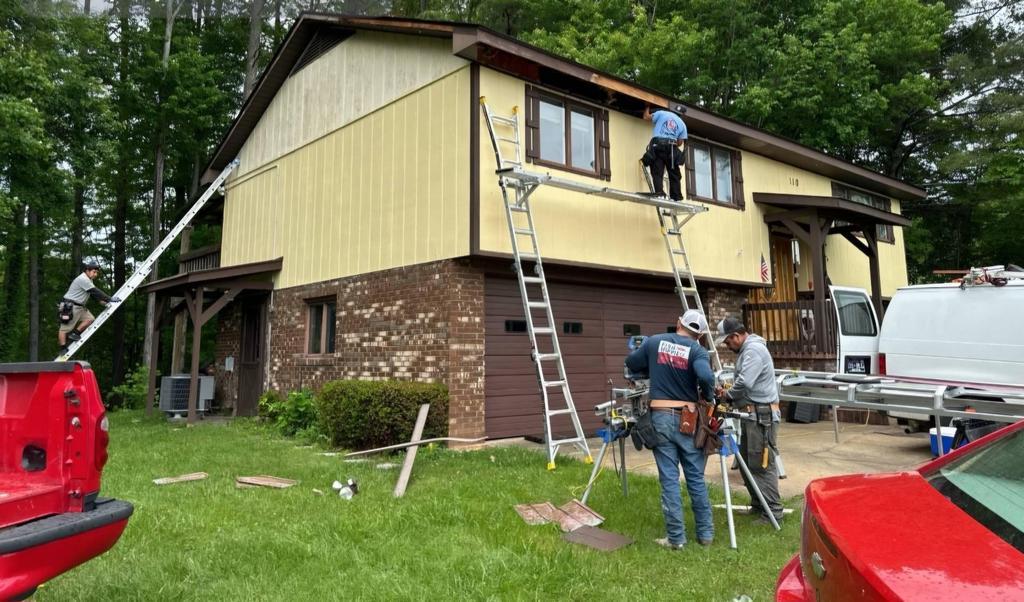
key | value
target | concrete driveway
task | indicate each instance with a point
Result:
(809, 452)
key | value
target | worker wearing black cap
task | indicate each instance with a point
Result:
(665, 149)
(74, 316)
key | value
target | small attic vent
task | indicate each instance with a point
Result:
(322, 41)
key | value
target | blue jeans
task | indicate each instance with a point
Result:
(680, 450)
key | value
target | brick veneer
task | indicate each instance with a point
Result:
(422, 323)
(720, 301)
(228, 344)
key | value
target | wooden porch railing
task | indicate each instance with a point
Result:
(204, 258)
(789, 328)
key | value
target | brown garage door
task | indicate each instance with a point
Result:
(592, 322)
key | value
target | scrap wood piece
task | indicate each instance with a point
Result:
(192, 476)
(530, 514)
(582, 513)
(558, 516)
(599, 539)
(266, 481)
(412, 443)
(410, 456)
(741, 509)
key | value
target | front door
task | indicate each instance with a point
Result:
(250, 364)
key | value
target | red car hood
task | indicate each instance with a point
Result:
(906, 541)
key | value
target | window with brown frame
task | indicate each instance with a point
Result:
(884, 232)
(566, 134)
(714, 174)
(321, 321)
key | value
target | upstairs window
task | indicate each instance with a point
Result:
(713, 174)
(566, 134)
(321, 332)
(884, 232)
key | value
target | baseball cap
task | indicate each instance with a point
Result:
(90, 265)
(694, 321)
(730, 325)
(676, 108)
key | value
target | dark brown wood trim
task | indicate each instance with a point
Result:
(857, 211)
(210, 277)
(618, 273)
(200, 252)
(691, 175)
(474, 157)
(535, 94)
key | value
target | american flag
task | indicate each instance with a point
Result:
(764, 269)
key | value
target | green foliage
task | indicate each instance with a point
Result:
(131, 394)
(366, 414)
(292, 414)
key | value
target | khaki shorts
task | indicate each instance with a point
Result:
(78, 314)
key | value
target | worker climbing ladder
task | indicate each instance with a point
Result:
(686, 285)
(146, 266)
(517, 185)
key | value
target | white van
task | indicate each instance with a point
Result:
(945, 334)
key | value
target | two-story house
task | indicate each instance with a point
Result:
(364, 235)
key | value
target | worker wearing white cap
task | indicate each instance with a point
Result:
(680, 370)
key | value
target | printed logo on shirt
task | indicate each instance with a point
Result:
(670, 125)
(677, 356)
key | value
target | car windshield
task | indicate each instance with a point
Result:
(989, 485)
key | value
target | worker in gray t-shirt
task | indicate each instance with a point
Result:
(73, 315)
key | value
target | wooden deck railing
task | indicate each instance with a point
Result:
(204, 258)
(789, 328)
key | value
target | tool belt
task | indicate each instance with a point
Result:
(763, 413)
(66, 300)
(706, 435)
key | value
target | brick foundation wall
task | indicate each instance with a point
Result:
(229, 340)
(720, 301)
(422, 323)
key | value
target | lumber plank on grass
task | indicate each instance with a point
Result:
(582, 513)
(266, 481)
(599, 539)
(192, 476)
(410, 456)
(412, 443)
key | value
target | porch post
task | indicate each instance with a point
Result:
(153, 349)
(871, 235)
(818, 277)
(195, 310)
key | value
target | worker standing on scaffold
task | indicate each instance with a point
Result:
(664, 151)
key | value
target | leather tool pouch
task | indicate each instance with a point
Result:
(65, 311)
(763, 414)
(687, 421)
(644, 434)
(648, 158)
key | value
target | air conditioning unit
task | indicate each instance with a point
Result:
(174, 394)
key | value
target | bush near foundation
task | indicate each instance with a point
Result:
(366, 414)
(291, 414)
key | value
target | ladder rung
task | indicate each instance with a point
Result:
(524, 231)
(547, 357)
(673, 232)
(536, 304)
(505, 120)
(684, 273)
(533, 280)
(544, 330)
(689, 291)
(512, 140)
(518, 208)
(554, 383)
(679, 251)
(559, 413)
(557, 442)
(528, 256)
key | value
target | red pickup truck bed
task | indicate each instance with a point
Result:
(53, 446)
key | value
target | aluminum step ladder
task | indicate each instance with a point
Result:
(146, 266)
(550, 363)
(686, 285)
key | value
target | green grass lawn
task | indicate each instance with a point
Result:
(454, 534)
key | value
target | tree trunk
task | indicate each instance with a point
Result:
(11, 295)
(255, 29)
(33, 284)
(77, 227)
(121, 198)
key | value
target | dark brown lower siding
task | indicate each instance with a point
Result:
(420, 323)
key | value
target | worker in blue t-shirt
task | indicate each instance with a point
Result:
(664, 150)
(680, 371)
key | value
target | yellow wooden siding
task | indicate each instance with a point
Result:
(723, 243)
(358, 76)
(387, 190)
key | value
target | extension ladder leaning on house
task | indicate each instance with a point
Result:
(146, 266)
(517, 185)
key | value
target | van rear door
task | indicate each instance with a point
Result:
(858, 331)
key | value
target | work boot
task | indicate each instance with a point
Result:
(74, 335)
(705, 542)
(665, 543)
(764, 520)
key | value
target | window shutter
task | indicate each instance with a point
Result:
(691, 177)
(737, 179)
(532, 123)
(604, 159)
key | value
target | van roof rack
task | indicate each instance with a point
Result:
(996, 275)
